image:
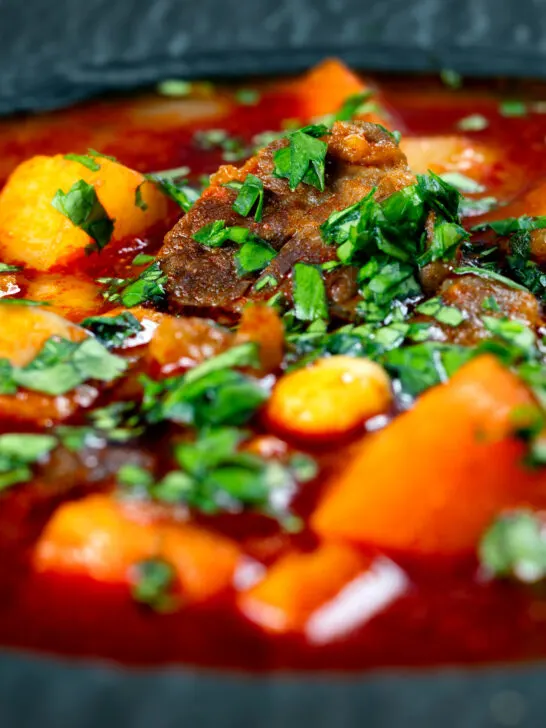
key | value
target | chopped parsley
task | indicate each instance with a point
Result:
(449, 315)
(6, 268)
(247, 96)
(6, 301)
(462, 182)
(84, 159)
(211, 394)
(309, 291)
(253, 256)
(18, 452)
(112, 331)
(233, 149)
(488, 274)
(62, 365)
(153, 582)
(139, 201)
(142, 259)
(510, 225)
(356, 105)
(84, 210)
(512, 108)
(174, 87)
(304, 159)
(250, 197)
(473, 122)
(147, 287)
(514, 546)
(216, 475)
(170, 183)
(254, 253)
(451, 79)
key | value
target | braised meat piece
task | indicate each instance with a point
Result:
(360, 156)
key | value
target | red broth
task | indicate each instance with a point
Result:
(428, 610)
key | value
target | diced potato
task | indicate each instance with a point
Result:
(298, 584)
(433, 479)
(95, 537)
(71, 296)
(261, 324)
(35, 233)
(25, 329)
(182, 343)
(447, 154)
(333, 397)
(8, 284)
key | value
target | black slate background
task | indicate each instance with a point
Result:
(53, 52)
(56, 51)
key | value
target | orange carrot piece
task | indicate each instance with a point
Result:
(298, 584)
(261, 324)
(95, 536)
(324, 89)
(432, 480)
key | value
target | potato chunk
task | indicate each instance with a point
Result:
(72, 296)
(35, 233)
(333, 397)
(24, 330)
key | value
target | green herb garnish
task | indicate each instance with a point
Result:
(84, 210)
(112, 331)
(309, 291)
(514, 546)
(250, 197)
(473, 122)
(84, 159)
(147, 287)
(153, 583)
(303, 160)
(18, 452)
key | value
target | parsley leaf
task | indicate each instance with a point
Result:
(18, 452)
(305, 157)
(513, 225)
(254, 255)
(512, 108)
(5, 268)
(152, 584)
(62, 365)
(84, 159)
(112, 331)
(84, 210)
(139, 200)
(210, 394)
(515, 546)
(355, 105)
(448, 315)
(180, 192)
(251, 195)
(310, 301)
(473, 122)
(147, 287)
(215, 475)
(215, 234)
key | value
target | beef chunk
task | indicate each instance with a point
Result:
(360, 156)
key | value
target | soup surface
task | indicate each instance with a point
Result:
(272, 377)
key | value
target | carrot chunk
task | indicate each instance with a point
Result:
(324, 89)
(95, 536)
(433, 479)
(331, 398)
(298, 584)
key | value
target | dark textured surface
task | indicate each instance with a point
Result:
(35, 694)
(52, 53)
(55, 52)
